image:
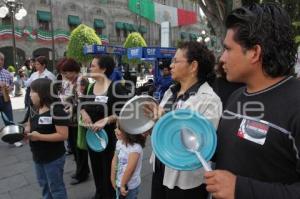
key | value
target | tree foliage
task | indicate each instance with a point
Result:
(217, 10)
(134, 39)
(81, 36)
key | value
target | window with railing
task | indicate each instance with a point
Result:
(73, 21)
(43, 19)
(118, 31)
(72, 27)
(43, 25)
(125, 33)
(98, 31)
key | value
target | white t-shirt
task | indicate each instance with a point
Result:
(123, 154)
(37, 75)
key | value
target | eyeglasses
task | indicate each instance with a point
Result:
(175, 61)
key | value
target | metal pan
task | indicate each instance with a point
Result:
(132, 118)
(11, 133)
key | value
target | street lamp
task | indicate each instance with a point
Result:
(203, 37)
(14, 8)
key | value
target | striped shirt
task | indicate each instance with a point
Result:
(6, 77)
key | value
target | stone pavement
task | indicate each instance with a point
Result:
(17, 176)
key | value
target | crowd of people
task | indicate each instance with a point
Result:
(251, 100)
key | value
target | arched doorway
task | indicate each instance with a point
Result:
(42, 52)
(8, 53)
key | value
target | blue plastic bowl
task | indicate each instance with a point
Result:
(166, 139)
(93, 142)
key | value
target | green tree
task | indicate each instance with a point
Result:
(11, 69)
(217, 10)
(293, 9)
(134, 39)
(81, 36)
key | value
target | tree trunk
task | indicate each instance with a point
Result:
(216, 11)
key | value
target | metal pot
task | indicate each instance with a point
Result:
(12, 133)
(132, 118)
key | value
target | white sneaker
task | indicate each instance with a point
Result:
(18, 144)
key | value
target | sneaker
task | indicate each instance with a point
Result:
(18, 144)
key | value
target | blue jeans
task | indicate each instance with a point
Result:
(6, 108)
(132, 193)
(50, 178)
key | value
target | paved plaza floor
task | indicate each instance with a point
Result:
(17, 176)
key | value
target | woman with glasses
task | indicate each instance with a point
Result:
(69, 95)
(192, 69)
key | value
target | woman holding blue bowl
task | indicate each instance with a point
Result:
(192, 69)
(102, 101)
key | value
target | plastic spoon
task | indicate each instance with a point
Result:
(102, 141)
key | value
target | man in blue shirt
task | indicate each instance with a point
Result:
(6, 85)
(116, 75)
(163, 82)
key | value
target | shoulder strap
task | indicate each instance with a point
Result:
(89, 87)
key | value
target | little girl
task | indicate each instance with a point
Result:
(47, 132)
(127, 164)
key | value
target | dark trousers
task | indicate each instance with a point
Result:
(101, 165)
(81, 156)
(159, 191)
(28, 104)
(6, 108)
(72, 140)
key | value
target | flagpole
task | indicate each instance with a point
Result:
(12, 13)
(52, 35)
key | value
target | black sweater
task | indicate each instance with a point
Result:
(259, 141)
(116, 97)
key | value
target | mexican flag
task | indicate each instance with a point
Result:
(159, 13)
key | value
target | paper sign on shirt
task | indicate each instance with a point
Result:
(45, 120)
(253, 131)
(101, 99)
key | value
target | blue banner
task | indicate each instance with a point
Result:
(167, 52)
(132, 53)
(150, 53)
(99, 49)
(135, 53)
(116, 50)
(94, 49)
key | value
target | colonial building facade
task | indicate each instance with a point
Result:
(111, 19)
